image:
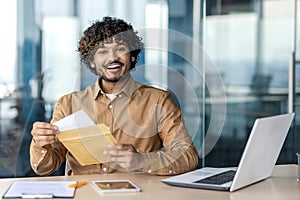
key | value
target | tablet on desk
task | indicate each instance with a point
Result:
(115, 186)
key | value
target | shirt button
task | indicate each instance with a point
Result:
(43, 151)
(170, 172)
(35, 165)
(104, 169)
(120, 95)
(110, 106)
(149, 171)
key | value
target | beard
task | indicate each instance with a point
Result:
(112, 80)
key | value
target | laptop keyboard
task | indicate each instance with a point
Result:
(218, 179)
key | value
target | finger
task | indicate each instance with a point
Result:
(44, 125)
(115, 153)
(43, 132)
(44, 140)
(122, 159)
(124, 147)
(47, 138)
(38, 131)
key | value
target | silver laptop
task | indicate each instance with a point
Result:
(258, 160)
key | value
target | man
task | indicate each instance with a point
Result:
(145, 121)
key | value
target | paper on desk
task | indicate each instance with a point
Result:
(85, 140)
(36, 188)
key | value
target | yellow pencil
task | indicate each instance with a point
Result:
(78, 184)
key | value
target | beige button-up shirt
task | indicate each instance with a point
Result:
(146, 117)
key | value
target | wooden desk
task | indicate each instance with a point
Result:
(283, 185)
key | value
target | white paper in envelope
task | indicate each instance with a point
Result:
(78, 119)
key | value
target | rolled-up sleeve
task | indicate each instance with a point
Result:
(48, 159)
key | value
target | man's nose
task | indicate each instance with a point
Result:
(112, 56)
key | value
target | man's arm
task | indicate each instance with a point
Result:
(179, 155)
(46, 152)
(47, 159)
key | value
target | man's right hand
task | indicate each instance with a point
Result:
(44, 133)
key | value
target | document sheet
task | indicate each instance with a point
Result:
(78, 119)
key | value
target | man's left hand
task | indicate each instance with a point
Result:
(126, 156)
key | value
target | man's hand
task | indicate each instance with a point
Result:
(44, 133)
(126, 156)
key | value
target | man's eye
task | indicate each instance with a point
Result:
(102, 52)
(122, 49)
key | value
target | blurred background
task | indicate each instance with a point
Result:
(252, 45)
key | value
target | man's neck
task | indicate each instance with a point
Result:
(113, 87)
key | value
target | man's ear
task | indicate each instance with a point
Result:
(92, 64)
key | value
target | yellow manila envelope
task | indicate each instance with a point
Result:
(87, 144)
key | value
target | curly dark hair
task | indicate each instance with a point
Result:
(105, 31)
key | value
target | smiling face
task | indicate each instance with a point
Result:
(111, 61)
(110, 31)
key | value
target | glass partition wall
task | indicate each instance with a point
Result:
(251, 43)
(226, 63)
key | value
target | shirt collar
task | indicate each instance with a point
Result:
(129, 88)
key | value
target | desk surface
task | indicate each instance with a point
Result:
(282, 185)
